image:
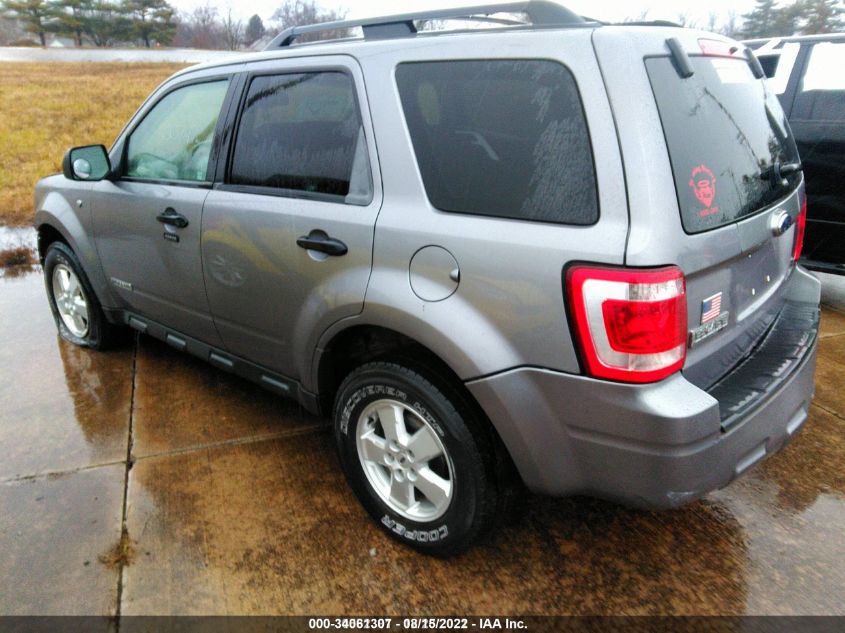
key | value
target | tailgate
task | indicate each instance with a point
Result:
(703, 158)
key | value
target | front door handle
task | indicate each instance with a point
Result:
(172, 217)
(318, 241)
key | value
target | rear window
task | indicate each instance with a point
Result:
(502, 138)
(724, 130)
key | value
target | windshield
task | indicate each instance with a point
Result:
(726, 134)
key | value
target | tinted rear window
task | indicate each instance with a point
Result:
(501, 138)
(724, 130)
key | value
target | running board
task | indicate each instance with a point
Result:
(221, 359)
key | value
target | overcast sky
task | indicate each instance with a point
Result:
(610, 10)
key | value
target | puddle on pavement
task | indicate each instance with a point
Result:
(18, 251)
(236, 504)
(61, 407)
(271, 527)
(52, 531)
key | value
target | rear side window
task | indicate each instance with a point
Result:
(724, 130)
(502, 138)
(301, 134)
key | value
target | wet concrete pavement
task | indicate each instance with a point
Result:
(235, 504)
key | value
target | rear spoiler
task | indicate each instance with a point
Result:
(711, 48)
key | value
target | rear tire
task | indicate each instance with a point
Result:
(78, 314)
(419, 460)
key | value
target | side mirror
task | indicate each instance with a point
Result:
(86, 163)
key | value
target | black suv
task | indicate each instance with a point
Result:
(807, 75)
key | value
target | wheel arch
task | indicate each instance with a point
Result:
(66, 227)
(362, 343)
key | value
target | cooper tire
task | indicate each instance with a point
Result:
(439, 422)
(94, 331)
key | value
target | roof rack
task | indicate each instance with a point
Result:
(541, 13)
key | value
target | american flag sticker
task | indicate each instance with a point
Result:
(711, 307)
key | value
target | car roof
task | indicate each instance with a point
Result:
(356, 46)
(402, 31)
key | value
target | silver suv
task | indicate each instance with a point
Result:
(548, 252)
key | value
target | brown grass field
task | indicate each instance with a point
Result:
(47, 108)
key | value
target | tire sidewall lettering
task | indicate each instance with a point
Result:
(420, 536)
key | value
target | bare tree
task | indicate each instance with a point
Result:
(302, 12)
(642, 16)
(233, 31)
(201, 28)
(731, 27)
(685, 20)
(712, 19)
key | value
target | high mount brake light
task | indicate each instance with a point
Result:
(631, 324)
(718, 48)
(800, 225)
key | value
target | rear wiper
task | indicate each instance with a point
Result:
(778, 172)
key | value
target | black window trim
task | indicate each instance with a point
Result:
(796, 78)
(224, 168)
(123, 146)
(505, 59)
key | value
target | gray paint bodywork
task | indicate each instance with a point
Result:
(656, 445)
(504, 330)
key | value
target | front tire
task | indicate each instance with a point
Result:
(79, 317)
(417, 457)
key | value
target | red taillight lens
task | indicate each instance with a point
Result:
(631, 324)
(800, 225)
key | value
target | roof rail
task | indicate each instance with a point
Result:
(541, 13)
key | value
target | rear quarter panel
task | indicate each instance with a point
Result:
(509, 308)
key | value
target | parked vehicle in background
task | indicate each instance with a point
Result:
(549, 252)
(808, 75)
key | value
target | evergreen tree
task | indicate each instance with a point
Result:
(823, 16)
(254, 30)
(70, 19)
(761, 21)
(787, 19)
(34, 15)
(152, 20)
(106, 23)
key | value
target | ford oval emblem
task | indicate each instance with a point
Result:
(780, 222)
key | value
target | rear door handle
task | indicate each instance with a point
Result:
(172, 217)
(318, 241)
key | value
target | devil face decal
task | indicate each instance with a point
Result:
(703, 184)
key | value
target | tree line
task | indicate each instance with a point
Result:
(99, 22)
(805, 17)
(156, 22)
(153, 22)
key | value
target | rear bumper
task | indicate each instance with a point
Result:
(658, 445)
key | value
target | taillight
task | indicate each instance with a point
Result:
(800, 225)
(631, 324)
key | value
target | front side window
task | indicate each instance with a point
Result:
(301, 135)
(502, 138)
(822, 93)
(173, 142)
